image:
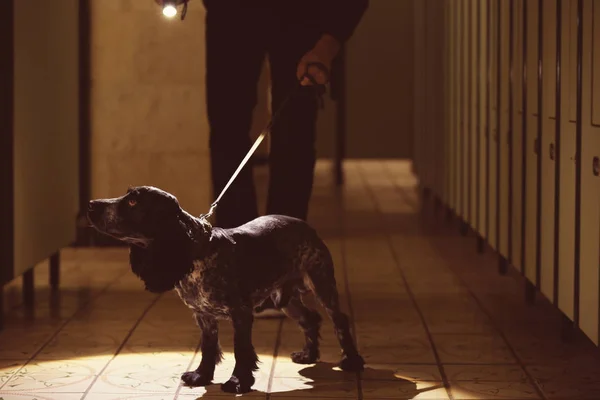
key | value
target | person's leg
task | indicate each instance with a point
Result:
(292, 153)
(292, 156)
(235, 51)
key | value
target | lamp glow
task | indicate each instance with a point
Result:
(169, 11)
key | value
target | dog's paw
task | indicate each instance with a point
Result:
(237, 385)
(305, 357)
(352, 364)
(194, 379)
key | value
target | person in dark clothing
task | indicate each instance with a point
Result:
(239, 34)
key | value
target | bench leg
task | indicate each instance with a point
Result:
(529, 293)
(28, 288)
(502, 265)
(54, 271)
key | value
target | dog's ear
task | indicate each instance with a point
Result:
(166, 260)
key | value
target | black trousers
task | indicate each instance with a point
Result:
(239, 34)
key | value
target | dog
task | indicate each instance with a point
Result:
(225, 274)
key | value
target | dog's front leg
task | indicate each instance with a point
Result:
(211, 353)
(246, 360)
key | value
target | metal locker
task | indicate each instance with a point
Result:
(482, 115)
(516, 135)
(453, 106)
(427, 106)
(589, 212)
(503, 126)
(473, 142)
(451, 116)
(533, 128)
(447, 197)
(492, 170)
(460, 89)
(435, 25)
(566, 142)
(457, 108)
(418, 163)
(547, 148)
(465, 111)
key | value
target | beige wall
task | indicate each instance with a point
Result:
(380, 76)
(148, 109)
(379, 85)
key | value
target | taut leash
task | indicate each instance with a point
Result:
(320, 92)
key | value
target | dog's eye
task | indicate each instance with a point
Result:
(132, 202)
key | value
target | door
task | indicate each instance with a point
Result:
(566, 158)
(482, 108)
(590, 186)
(504, 129)
(492, 198)
(46, 129)
(517, 135)
(548, 150)
(531, 135)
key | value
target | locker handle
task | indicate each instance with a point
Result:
(596, 166)
(552, 151)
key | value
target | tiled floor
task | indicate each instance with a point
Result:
(432, 318)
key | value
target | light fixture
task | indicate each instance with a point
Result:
(169, 8)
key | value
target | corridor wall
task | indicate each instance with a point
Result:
(507, 122)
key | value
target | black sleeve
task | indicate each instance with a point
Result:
(339, 18)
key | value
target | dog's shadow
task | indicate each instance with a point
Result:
(325, 379)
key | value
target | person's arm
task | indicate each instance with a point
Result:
(339, 18)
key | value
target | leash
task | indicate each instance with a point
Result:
(320, 91)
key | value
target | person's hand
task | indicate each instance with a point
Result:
(323, 52)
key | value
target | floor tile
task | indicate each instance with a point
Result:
(412, 373)
(485, 373)
(40, 396)
(493, 390)
(476, 349)
(402, 389)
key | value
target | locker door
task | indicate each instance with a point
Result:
(462, 121)
(418, 146)
(516, 140)
(590, 187)
(566, 162)
(452, 171)
(435, 80)
(482, 115)
(473, 104)
(547, 150)
(446, 198)
(426, 105)
(531, 187)
(503, 134)
(46, 129)
(492, 187)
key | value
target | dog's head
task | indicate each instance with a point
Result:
(139, 217)
(161, 234)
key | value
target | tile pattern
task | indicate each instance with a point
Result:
(431, 316)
